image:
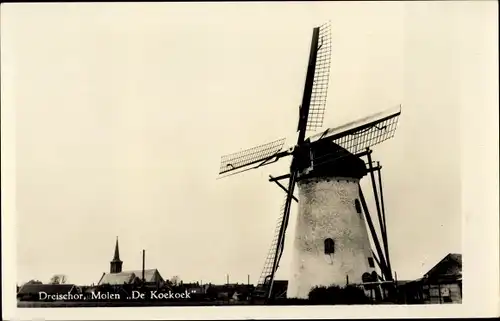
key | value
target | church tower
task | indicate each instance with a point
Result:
(116, 264)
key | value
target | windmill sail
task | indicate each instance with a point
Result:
(284, 225)
(363, 133)
(321, 79)
(260, 154)
(267, 270)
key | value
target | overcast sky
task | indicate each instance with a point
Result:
(123, 112)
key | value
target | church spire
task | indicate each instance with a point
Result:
(117, 251)
(116, 264)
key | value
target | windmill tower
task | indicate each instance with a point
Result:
(332, 244)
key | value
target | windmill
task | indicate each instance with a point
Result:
(331, 244)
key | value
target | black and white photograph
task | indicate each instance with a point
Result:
(273, 158)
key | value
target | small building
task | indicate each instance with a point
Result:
(441, 284)
(32, 292)
(194, 288)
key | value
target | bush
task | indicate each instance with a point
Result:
(338, 295)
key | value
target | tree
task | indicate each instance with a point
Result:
(338, 295)
(33, 282)
(175, 280)
(58, 279)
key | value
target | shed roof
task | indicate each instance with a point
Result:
(47, 288)
(150, 275)
(126, 277)
(118, 278)
(450, 265)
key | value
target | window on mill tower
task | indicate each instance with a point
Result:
(357, 205)
(329, 246)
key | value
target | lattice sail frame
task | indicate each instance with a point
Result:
(251, 156)
(374, 135)
(239, 160)
(363, 133)
(321, 79)
(267, 269)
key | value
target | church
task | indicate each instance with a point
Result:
(116, 276)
